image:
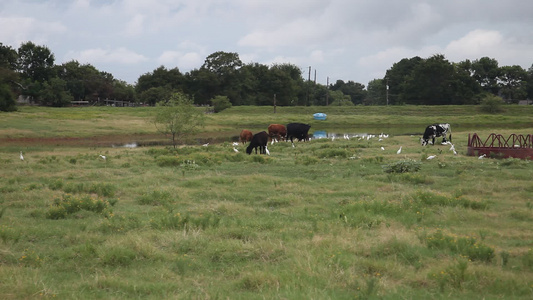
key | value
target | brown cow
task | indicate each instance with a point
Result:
(246, 136)
(277, 131)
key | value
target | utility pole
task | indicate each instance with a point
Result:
(307, 91)
(327, 91)
(315, 76)
(387, 92)
(274, 103)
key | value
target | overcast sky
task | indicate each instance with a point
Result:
(341, 39)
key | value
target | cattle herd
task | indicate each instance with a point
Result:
(276, 132)
(299, 131)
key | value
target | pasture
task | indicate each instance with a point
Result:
(325, 219)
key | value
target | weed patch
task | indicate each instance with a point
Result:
(70, 204)
(465, 246)
(403, 166)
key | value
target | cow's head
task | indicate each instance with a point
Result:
(423, 141)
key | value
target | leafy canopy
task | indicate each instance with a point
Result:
(178, 118)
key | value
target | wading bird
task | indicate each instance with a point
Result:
(482, 156)
(399, 150)
(103, 157)
(431, 157)
(21, 157)
(235, 149)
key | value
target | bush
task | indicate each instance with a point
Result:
(492, 104)
(402, 166)
(220, 103)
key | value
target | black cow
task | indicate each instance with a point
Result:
(260, 140)
(436, 130)
(298, 130)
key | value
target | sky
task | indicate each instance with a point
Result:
(355, 40)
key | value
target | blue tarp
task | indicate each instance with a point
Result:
(320, 116)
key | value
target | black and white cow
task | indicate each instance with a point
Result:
(436, 130)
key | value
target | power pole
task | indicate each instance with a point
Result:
(327, 91)
(274, 103)
(387, 92)
(307, 91)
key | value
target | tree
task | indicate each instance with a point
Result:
(178, 118)
(161, 77)
(7, 100)
(513, 82)
(486, 71)
(530, 82)
(397, 76)
(430, 82)
(154, 95)
(54, 93)
(376, 93)
(8, 57)
(355, 90)
(339, 99)
(35, 62)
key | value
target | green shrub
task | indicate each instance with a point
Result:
(403, 166)
(168, 161)
(70, 204)
(220, 103)
(492, 104)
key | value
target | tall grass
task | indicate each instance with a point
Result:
(322, 220)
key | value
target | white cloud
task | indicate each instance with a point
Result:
(114, 56)
(184, 61)
(16, 30)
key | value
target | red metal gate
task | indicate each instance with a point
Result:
(496, 145)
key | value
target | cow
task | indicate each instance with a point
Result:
(260, 140)
(277, 131)
(245, 136)
(298, 130)
(436, 130)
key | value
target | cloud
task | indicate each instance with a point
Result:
(184, 61)
(114, 56)
(16, 30)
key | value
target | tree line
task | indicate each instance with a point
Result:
(31, 71)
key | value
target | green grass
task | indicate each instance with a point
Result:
(322, 220)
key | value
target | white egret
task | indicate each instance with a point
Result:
(399, 150)
(235, 144)
(482, 156)
(235, 149)
(21, 157)
(103, 157)
(382, 148)
(206, 144)
(431, 157)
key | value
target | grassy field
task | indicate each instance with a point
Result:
(326, 219)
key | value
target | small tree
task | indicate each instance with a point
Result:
(178, 118)
(220, 103)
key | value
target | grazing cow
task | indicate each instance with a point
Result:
(277, 131)
(298, 130)
(245, 136)
(260, 140)
(436, 130)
